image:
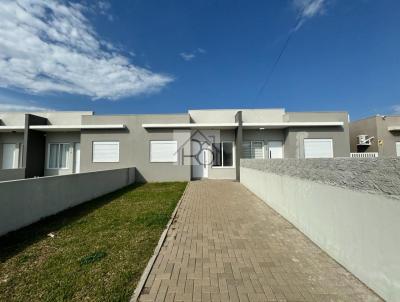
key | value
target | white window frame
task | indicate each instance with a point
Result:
(251, 147)
(117, 160)
(169, 142)
(222, 157)
(318, 139)
(58, 152)
(397, 146)
(15, 156)
(21, 155)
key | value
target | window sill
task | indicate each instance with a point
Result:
(105, 162)
(163, 162)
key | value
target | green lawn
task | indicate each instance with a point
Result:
(98, 251)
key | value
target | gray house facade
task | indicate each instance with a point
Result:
(165, 147)
(377, 134)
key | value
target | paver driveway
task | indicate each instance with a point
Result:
(227, 245)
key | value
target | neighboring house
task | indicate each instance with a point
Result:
(375, 136)
(198, 144)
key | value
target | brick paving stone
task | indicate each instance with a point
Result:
(225, 244)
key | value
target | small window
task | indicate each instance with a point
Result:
(398, 149)
(10, 156)
(58, 156)
(105, 152)
(318, 148)
(163, 151)
(223, 154)
(253, 149)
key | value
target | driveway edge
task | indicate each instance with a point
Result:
(157, 250)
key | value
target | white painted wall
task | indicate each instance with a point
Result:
(359, 230)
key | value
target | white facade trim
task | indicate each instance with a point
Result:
(193, 125)
(245, 125)
(11, 128)
(75, 127)
(294, 124)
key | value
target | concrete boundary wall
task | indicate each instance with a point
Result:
(12, 174)
(373, 175)
(359, 230)
(26, 201)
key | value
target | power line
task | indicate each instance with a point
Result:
(285, 45)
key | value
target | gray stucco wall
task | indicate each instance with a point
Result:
(135, 145)
(294, 140)
(12, 118)
(366, 126)
(330, 201)
(373, 175)
(11, 174)
(26, 201)
(376, 126)
(388, 138)
(12, 137)
(294, 137)
(228, 115)
(323, 116)
(53, 117)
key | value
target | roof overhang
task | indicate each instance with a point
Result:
(67, 128)
(192, 126)
(12, 128)
(282, 125)
(394, 128)
(273, 125)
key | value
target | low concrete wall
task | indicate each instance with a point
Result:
(374, 175)
(23, 202)
(358, 229)
(11, 174)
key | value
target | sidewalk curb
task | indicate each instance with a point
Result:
(157, 250)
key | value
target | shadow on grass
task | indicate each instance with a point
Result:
(16, 241)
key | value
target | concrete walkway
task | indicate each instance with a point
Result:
(228, 245)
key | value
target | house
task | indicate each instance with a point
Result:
(197, 144)
(375, 136)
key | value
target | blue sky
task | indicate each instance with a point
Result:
(145, 56)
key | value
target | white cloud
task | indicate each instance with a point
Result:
(188, 56)
(396, 109)
(4, 107)
(103, 7)
(49, 46)
(308, 9)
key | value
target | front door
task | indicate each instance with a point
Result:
(77, 158)
(200, 159)
(10, 156)
(275, 149)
